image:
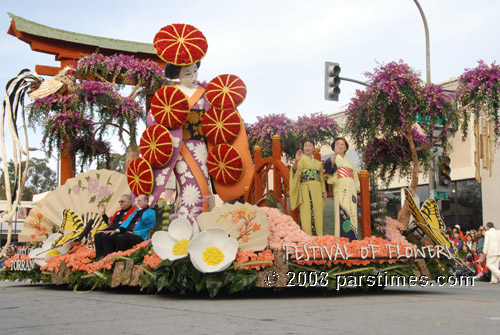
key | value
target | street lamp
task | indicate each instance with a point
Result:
(57, 160)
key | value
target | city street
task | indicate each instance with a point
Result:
(34, 309)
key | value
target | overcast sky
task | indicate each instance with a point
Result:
(279, 48)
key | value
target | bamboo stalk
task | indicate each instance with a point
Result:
(484, 147)
(491, 135)
(477, 158)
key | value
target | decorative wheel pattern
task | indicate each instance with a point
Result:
(221, 125)
(180, 44)
(170, 107)
(225, 164)
(226, 91)
(156, 145)
(140, 176)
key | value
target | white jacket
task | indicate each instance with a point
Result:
(492, 242)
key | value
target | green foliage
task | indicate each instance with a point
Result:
(381, 120)
(95, 105)
(181, 276)
(41, 178)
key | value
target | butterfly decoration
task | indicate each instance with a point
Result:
(429, 220)
(74, 228)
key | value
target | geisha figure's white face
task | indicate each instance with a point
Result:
(188, 75)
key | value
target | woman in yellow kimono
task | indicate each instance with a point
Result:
(345, 183)
(307, 189)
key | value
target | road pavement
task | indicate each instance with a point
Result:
(36, 309)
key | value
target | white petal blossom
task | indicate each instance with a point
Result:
(172, 244)
(212, 250)
(191, 195)
(200, 153)
(181, 166)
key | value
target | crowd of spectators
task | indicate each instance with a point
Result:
(470, 246)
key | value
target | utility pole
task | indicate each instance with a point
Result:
(432, 182)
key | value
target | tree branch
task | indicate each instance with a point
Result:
(109, 124)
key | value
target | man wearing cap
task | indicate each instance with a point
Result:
(492, 251)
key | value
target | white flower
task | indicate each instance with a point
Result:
(160, 180)
(165, 171)
(204, 169)
(177, 141)
(46, 252)
(212, 250)
(172, 244)
(181, 167)
(191, 195)
(200, 153)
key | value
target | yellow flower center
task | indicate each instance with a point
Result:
(180, 247)
(213, 256)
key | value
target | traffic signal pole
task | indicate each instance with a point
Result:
(432, 178)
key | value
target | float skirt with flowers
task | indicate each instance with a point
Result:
(239, 247)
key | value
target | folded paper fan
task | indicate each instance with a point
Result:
(246, 223)
(36, 226)
(170, 107)
(224, 164)
(226, 91)
(221, 125)
(83, 195)
(140, 176)
(156, 145)
(180, 44)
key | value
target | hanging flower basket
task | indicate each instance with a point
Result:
(221, 125)
(226, 91)
(224, 164)
(140, 177)
(180, 44)
(170, 107)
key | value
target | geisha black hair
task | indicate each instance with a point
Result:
(340, 138)
(172, 71)
(304, 142)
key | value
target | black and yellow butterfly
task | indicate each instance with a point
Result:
(429, 220)
(74, 228)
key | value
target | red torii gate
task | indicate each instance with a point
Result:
(68, 47)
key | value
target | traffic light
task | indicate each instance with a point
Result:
(332, 81)
(444, 171)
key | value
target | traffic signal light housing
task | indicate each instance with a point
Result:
(332, 81)
(444, 171)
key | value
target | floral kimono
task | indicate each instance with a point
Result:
(306, 187)
(191, 167)
(345, 183)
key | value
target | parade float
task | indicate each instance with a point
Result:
(199, 136)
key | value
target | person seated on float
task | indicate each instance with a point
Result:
(307, 188)
(115, 221)
(132, 231)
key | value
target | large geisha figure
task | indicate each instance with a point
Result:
(194, 131)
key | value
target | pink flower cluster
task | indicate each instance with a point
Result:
(480, 87)
(393, 231)
(128, 68)
(284, 231)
